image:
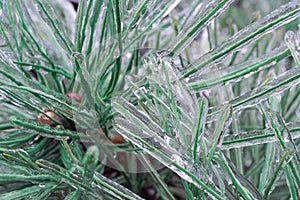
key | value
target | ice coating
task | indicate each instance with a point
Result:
(252, 138)
(281, 83)
(189, 34)
(289, 11)
(215, 76)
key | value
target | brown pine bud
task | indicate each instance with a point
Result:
(117, 139)
(43, 119)
(104, 138)
(74, 96)
(102, 131)
(45, 109)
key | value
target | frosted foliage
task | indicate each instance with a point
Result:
(171, 99)
(164, 126)
(165, 86)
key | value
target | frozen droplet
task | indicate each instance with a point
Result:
(177, 159)
(292, 40)
(289, 37)
(78, 56)
(28, 67)
(248, 162)
(115, 154)
(298, 113)
(167, 140)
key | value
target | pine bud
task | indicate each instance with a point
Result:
(117, 139)
(74, 96)
(43, 119)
